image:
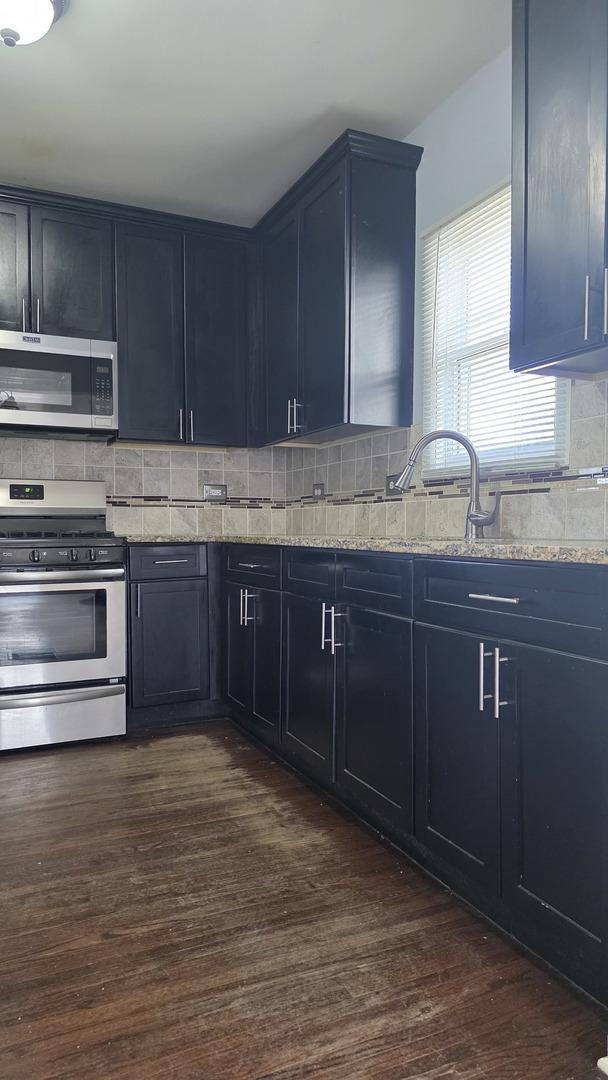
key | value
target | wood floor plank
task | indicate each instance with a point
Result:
(185, 907)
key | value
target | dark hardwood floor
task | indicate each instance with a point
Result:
(185, 907)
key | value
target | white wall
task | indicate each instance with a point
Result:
(467, 153)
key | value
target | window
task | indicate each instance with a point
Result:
(515, 422)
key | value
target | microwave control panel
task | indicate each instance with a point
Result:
(103, 391)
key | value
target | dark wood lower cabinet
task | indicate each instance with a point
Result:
(169, 641)
(457, 754)
(374, 752)
(554, 739)
(253, 657)
(308, 687)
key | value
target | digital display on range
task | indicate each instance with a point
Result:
(27, 492)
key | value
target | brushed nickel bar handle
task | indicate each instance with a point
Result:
(587, 288)
(138, 595)
(605, 301)
(323, 614)
(181, 423)
(335, 644)
(38, 315)
(289, 416)
(494, 599)
(241, 610)
(23, 313)
(168, 562)
(498, 660)
(191, 425)
(482, 695)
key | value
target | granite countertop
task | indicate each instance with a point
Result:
(578, 551)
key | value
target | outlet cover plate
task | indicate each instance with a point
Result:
(318, 491)
(389, 487)
(214, 493)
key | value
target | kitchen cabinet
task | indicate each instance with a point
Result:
(338, 266)
(168, 624)
(457, 753)
(72, 274)
(168, 667)
(150, 322)
(216, 341)
(280, 291)
(554, 742)
(374, 744)
(559, 301)
(14, 267)
(253, 657)
(309, 668)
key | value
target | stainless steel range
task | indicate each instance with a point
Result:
(62, 615)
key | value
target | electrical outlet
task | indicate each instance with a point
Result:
(318, 491)
(389, 487)
(214, 493)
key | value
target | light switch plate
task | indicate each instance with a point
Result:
(214, 493)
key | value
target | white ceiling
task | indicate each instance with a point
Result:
(213, 107)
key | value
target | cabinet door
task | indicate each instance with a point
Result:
(266, 684)
(559, 177)
(375, 715)
(150, 316)
(457, 754)
(239, 650)
(216, 342)
(322, 303)
(555, 797)
(14, 267)
(173, 666)
(280, 273)
(72, 267)
(308, 711)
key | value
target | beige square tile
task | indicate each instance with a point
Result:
(415, 518)
(333, 520)
(258, 522)
(585, 514)
(377, 519)
(362, 519)
(587, 443)
(347, 520)
(395, 518)
(210, 521)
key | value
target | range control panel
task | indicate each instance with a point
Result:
(43, 555)
(26, 492)
(103, 393)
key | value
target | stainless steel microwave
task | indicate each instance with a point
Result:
(58, 383)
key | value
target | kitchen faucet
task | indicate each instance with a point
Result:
(476, 516)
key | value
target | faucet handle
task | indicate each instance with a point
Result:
(485, 517)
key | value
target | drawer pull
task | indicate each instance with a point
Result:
(494, 599)
(483, 652)
(251, 565)
(169, 562)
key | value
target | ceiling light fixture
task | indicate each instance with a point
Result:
(24, 21)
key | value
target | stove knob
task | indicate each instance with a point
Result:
(92, 554)
(73, 554)
(35, 555)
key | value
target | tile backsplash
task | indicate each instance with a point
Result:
(158, 491)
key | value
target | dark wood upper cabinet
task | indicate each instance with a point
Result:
(338, 269)
(150, 323)
(559, 293)
(322, 386)
(280, 302)
(72, 274)
(216, 341)
(14, 267)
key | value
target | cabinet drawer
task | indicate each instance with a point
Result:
(253, 564)
(155, 562)
(561, 607)
(310, 573)
(379, 582)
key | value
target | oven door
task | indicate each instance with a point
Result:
(61, 627)
(48, 382)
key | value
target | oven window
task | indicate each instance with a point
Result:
(51, 627)
(30, 389)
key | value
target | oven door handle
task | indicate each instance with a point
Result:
(72, 577)
(59, 697)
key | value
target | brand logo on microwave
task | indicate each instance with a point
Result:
(32, 340)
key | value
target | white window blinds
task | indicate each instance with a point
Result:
(515, 422)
